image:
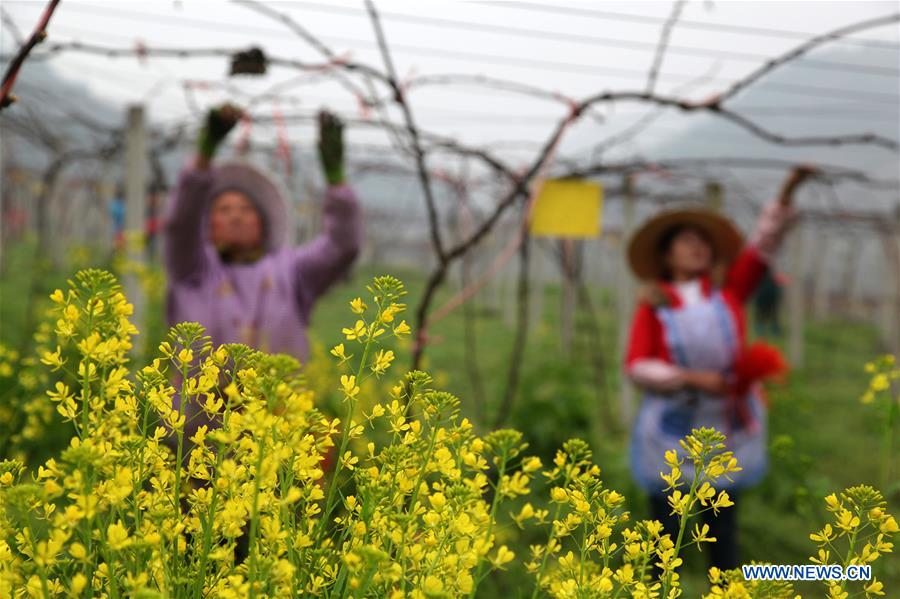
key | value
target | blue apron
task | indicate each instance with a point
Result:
(702, 336)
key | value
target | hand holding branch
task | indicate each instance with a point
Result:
(331, 147)
(795, 178)
(219, 123)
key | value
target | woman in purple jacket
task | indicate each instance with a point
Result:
(228, 262)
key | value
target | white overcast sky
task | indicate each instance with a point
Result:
(573, 53)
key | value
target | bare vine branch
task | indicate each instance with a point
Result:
(663, 44)
(12, 71)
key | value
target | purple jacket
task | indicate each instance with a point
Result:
(265, 304)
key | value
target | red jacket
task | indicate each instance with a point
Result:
(647, 340)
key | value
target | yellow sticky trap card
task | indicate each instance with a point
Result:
(567, 208)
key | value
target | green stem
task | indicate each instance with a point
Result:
(43, 569)
(887, 441)
(643, 573)
(207, 532)
(367, 581)
(288, 521)
(254, 523)
(411, 394)
(140, 479)
(178, 459)
(540, 572)
(437, 558)
(86, 383)
(583, 557)
(415, 494)
(345, 440)
(490, 529)
(86, 399)
(698, 468)
(850, 552)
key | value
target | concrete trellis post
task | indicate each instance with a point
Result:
(851, 281)
(796, 309)
(105, 195)
(714, 195)
(895, 310)
(889, 310)
(135, 191)
(4, 152)
(820, 278)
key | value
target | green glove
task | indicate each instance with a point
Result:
(331, 147)
(219, 122)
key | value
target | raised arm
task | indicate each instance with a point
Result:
(321, 262)
(325, 259)
(774, 221)
(184, 247)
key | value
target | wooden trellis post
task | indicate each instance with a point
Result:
(569, 265)
(626, 296)
(538, 286)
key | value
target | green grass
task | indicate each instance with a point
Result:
(823, 438)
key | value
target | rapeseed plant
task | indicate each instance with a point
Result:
(884, 391)
(271, 497)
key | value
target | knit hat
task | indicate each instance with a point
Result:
(262, 190)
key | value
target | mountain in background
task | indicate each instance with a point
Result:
(836, 102)
(63, 108)
(840, 102)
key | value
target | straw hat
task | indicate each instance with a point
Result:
(643, 257)
(262, 190)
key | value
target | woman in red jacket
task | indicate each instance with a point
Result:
(686, 334)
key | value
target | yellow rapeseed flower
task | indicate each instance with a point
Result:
(382, 361)
(357, 332)
(357, 305)
(349, 386)
(185, 356)
(874, 588)
(79, 582)
(889, 526)
(339, 352)
(117, 536)
(53, 359)
(503, 557)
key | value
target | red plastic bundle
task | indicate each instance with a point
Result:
(758, 361)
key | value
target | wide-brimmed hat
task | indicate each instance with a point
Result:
(643, 248)
(262, 189)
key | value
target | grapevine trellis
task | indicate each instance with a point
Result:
(417, 152)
